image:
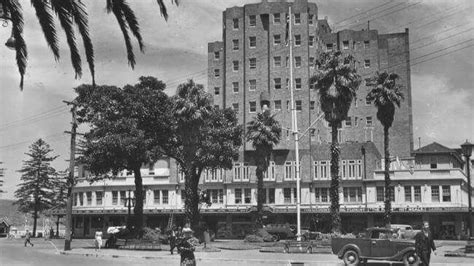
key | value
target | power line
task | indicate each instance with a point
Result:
(53, 110)
(445, 38)
(450, 52)
(366, 11)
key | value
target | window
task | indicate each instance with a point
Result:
(289, 170)
(238, 196)
(235, 45)
(417, 193)
(253, 63)
(183, 196)
(236, 171)
(252, 41)
(89, 198)
(277, 61)
(311, 62)
(408, 197)
(235, 106)
(245, 172)
(252, 107)
(321, 169)
(298, 83)
(286, 195)
(114, 197)
(129, 173)
(164, 196)
(348, 121)
(156, 197)
(345, 45)
(252, 84)
(235, 87)
(351, 169)
(311, 41)
(310, 19)
(288, 105)
(297, 40)
(216, 195)
(321, 194)
(277, 105)
(216, 74)
(366, 63)
(368, 121)
(144, 197)
(270, 199)
(277, 83)
(217, 55)
(297, 18)
(235, 65)
(236, 23)
(435, 193)
(276, 18)
(433, 163)
(352, 194)
(297, 61)
(252, 20)
(380, 193)
(98, 197)
(298, 105)
(329, 47)
(446, 193)
(366, 44)
(247, 195)
(276, 39)
(74, 199)
(287, 62)
(356, 121)
(216, 90)
(123, 197)
(312, 105)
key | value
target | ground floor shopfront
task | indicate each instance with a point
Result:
(236, 223)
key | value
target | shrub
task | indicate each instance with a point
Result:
(151, 234)
(253, 239)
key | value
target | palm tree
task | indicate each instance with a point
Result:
(264, 132)
(71, 13)
(337, 80)
(385, 94)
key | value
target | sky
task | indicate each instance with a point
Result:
(441, 43)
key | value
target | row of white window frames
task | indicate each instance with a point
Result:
(348, 169)
(244, 195)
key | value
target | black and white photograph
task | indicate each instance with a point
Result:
(236, 132)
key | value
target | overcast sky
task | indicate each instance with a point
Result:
(442, 78)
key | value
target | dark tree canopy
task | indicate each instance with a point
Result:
(38, 190)
(71, 15)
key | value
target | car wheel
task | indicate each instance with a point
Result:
(350, 257)
(410, 258)
(276, 237)
(309, 250)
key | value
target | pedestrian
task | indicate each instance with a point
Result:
(51, 233)
(186, 248)
(28, 238)
(98, 241)
(424, 244)
(207, 237)
(172, 234)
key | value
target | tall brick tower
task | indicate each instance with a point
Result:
(252, 62)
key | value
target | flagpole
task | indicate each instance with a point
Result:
(295, 132)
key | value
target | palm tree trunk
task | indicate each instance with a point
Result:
(191, 201)
(260, 195)
(334, 190)
(388, 192)
(138, 209)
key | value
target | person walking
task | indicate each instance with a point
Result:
(172, 235)
(186, 248)
(424, 244)
(28, 238)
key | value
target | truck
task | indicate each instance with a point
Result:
(376, 244)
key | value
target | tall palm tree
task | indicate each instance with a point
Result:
(264, 131)
(336, 80)
(71, 13)
(385, 94)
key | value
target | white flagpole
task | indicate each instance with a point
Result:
(295, 132)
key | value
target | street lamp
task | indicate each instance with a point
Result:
(467, 151)
(129, 202)
(5, 16)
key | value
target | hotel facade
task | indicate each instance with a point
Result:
(251, 65)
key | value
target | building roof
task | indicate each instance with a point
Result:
(436, 148)
(5, 221)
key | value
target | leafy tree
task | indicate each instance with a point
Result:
(263, 132)
(37, 191)
(385, 94)
(202, 137)
(336, 80)
(121, 134)
(71, 14)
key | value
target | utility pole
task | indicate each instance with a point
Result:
(70, 179)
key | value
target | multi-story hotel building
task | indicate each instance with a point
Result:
(249, 65)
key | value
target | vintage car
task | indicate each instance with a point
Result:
(405, 231)
(280, 231)
(377, 244)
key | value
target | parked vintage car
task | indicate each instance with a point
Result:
(406, 231)
(307, 234)
(280, 231)
(377, 244)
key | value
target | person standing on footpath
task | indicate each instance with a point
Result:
(28, 238)
(424, 244)
(172, 238)
(186, 248)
